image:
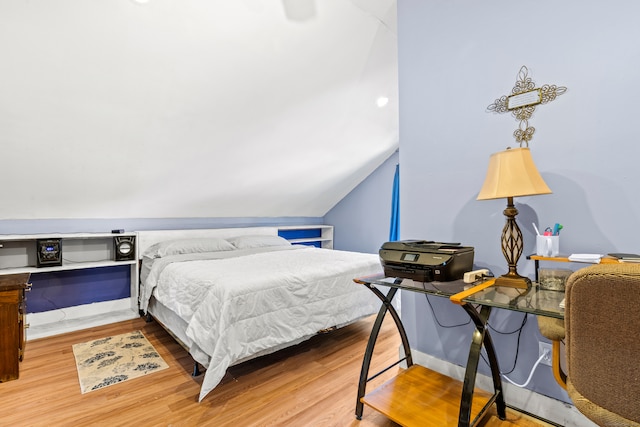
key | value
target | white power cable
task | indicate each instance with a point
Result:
(533, 369)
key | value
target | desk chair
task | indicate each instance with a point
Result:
(553, 329)
(602, 328)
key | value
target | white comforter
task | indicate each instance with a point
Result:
(238, 306)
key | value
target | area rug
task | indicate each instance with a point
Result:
(112, 360)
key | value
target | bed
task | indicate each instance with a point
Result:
(229, 295)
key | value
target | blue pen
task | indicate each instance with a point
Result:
(556, 229)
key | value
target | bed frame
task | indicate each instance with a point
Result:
(148, 238)
(175, 325)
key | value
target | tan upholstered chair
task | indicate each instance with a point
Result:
(602, 329)
(553, 329)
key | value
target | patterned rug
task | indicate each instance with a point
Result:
(112, 360)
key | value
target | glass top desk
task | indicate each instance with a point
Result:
(408, 398)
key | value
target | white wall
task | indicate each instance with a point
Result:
(457, 57)
(181, 109)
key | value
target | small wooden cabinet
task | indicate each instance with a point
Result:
(12, 324)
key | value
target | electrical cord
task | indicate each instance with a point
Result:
(519, 331)
(436, 317)
(533, 369)
(515, 361)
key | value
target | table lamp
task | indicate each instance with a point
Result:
(512, 173)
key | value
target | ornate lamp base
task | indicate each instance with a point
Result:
(513, 281)
(512, 243)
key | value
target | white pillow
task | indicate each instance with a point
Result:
(258, 241)
(188, 246)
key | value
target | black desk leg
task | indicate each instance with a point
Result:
(368, 354)
(480, 337)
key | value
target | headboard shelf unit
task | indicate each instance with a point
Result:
(93, 257)
(18, 252)
(316, 235)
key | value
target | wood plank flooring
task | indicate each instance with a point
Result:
(312, 384)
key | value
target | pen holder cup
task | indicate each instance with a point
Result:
(548, 246)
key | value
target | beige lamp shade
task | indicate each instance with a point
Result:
(512, 173)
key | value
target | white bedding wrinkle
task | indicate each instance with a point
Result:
(239, 306)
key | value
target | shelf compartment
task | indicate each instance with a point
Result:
(315, 235)
(419, 396)
(88, 259)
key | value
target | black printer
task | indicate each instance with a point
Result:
(426, 261)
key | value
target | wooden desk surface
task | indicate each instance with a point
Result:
(565, 258)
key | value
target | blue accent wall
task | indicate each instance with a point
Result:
(361, 219)
(302, 234)
(60, 289)
(451, 67)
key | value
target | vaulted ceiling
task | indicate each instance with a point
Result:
(193, 108)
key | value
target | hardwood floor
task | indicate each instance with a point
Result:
(312, 384)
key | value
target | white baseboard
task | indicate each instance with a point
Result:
(55, 322)
(542, 406)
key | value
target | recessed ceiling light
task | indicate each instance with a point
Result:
(382, 101)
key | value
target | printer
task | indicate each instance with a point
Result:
(426, 261)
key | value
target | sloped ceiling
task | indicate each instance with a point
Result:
(192, 108)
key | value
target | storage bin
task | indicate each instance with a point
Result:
(553, 279)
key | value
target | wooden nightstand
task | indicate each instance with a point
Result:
(12, 324)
